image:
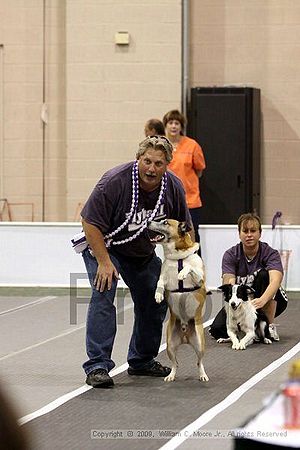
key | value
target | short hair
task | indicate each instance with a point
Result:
(156, 125)
(157, 143)
(249, 217)
(174, 114)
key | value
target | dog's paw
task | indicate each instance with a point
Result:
(267, 341)
(242, 346)
(159, 297)
(170, 377)
(184, 272)
(223, 340)
(236, 346)
(182, 275)
(203, 377)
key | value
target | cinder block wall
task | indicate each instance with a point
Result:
(21, 39)
(99, 94)
(32, 67)
(113, 89)
(256, 43)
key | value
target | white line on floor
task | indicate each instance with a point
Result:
(27, 305)
(232, 398)
(65, 398)
(65, 333)
(38, 344)
(53, 405)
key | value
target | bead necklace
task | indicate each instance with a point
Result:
(133, 209)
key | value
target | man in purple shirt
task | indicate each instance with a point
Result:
(257, 265)
(115, 220)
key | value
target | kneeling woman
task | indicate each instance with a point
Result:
(257, 265)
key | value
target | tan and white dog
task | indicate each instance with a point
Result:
(182, 283)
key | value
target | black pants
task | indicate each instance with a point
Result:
(195, 215)
(260, 284)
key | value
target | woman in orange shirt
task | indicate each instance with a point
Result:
(188, 163)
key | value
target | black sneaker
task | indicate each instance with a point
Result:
(99, 378)
(156, 370)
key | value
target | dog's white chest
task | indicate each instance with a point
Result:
(171, 269)
(184, 305)
(243, 317)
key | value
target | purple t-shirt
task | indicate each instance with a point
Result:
(110, 203)
(234, 262)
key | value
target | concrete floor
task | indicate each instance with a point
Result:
(42, 353)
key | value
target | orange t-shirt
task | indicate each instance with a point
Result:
(187, 159)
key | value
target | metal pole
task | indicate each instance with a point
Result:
(185, 55)
(43, 121)
(1, 122)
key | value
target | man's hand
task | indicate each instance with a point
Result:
(104, 276)
(106, 270)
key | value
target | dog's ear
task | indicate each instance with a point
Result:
(182, 228)
(247, 289)
(246, 292)
(250, 292)
(226, 289)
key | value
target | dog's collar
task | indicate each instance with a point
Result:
(180, 282)
(182, 254)
(182, 289)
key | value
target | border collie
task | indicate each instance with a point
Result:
(243, 317)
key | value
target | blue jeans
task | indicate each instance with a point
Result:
(141, 278)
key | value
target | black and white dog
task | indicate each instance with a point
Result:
(243, 317)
